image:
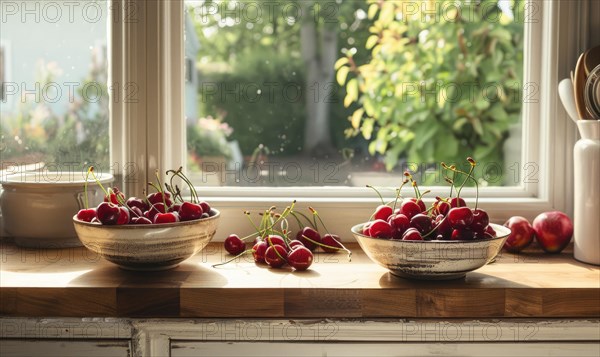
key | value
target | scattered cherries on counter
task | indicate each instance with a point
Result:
(273, 246)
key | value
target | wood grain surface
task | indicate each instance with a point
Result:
(75, 282)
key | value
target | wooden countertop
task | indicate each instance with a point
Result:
(76, 282)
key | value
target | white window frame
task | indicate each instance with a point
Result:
(149, 52)
(6, 102)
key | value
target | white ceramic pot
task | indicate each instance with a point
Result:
(38, 207)
(586, 231)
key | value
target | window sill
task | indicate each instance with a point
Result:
(534, 285)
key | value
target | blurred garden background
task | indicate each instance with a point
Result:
(347, 89)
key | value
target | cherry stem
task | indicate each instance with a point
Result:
(247, 214)
(430, 209)
(330, 247)
(234, 258)
(91, 170)
(465, 181)
(181, 175)
(312, 224)
(85, 186)
(469, 176)
(398, 194)
(154, 186)
(249, 236)
(275, 249)
(161, 191)
(284, 226)
(377, 192)
(263, 226)
(452, 184)
(434, 228)
(413, 183)
(300, 225)
(316, 214)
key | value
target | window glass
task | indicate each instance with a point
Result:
(350, 92)
(53, 69)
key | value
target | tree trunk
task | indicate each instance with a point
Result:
(319, 84)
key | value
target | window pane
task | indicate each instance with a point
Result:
(53, 69)
(349, 92)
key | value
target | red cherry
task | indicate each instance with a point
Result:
(489, 230)
(86, 215)
(137, 202)
(412, 234)
(108, 213)
(157, 197)
(134, 213)
(275, 240)
(123, 215)
(460, 217)
(205, 208)
(140, 220)
(382, 212)
(295, 244)
(190, 211)
(154, 210)
(311, 234)
(258, 251)
(443, 207)
(274, 256)
(365, 228)
(443, 227)
(169, 217)
(114, 196)
(175, 208)
(457, 202)
(381, 229)
(300, 258)
(331, 240)
(462, 234)
(234, 245)
(480, 220)
(420, 203)
(410, 208)
(400, 223)
(421, 223)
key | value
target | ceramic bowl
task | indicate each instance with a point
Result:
(431, 260)
(37, 206)
(148, 247)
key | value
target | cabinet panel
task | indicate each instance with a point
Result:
(64, 348)
(276, 349)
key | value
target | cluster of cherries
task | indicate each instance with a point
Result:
(163, 206)
(272, 245)
(446, 219)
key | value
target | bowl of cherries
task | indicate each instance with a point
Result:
(440, 242)
(156, 232)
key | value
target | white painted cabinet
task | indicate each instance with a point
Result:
(87, 337)
(64, 348)
(268, 349)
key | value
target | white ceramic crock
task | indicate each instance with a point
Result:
(586, 155)
(38, 207)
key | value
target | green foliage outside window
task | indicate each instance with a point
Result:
(34, 133)
(440, 87)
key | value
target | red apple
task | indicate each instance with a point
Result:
(553, 231)
(521, 234)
